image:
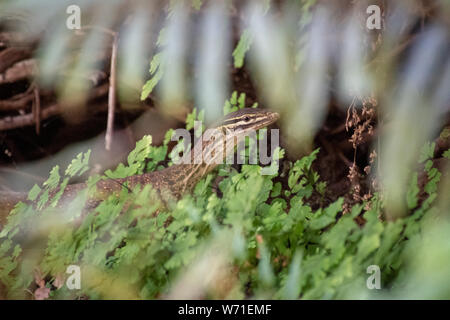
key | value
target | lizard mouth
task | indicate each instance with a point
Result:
(274, 116)
(271, 117)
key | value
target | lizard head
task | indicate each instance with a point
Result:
(247, 119)
(219, 141)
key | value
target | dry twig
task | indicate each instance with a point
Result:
(112, 82)
(37, 110)
(111, 95)
(13, 122)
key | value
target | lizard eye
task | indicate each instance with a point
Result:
(246, 119)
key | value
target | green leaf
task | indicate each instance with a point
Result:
(328, 216)
(233, 99)
(34, 192)
(413, 192)
(276, 190)
(192, 117)
(434, 176)
(57, 196)
(234, 103)
(241, 101)
(79, 165)
(427, 152)
(43, 199)
(168, 136)
(446, 154)
(300, 169)
(141, 151)
(53, 180)
(242, 48)
(156, 72)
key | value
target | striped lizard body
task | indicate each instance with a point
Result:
(174, 181)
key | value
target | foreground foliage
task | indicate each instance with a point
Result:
(250, 238)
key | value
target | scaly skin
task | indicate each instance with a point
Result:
(171, 182)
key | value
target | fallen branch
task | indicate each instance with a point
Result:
(10, 56)
(21, 70)
(8, 123)
(13, 122)
(22, 100)
(16, 103)
(14, 39)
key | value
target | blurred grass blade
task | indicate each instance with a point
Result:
(211, 61)
(413, 119)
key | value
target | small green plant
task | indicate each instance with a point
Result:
(278, 246)
(235, 103)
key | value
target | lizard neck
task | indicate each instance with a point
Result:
(212, 149)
